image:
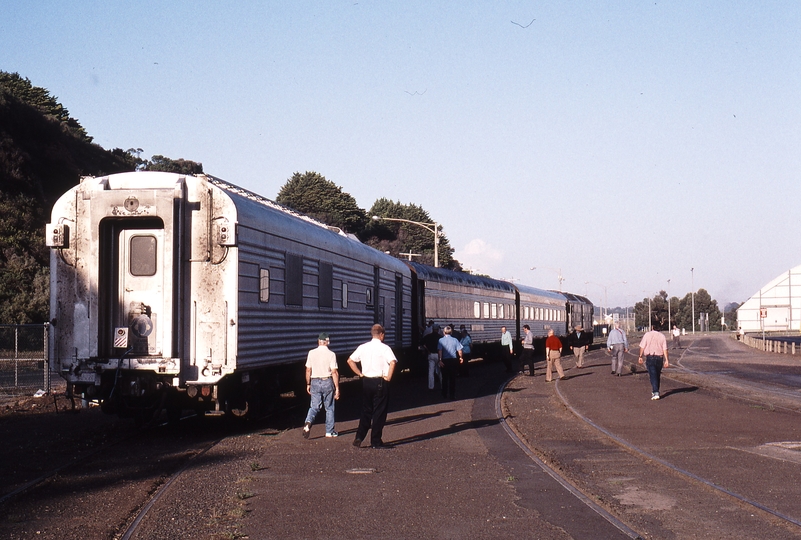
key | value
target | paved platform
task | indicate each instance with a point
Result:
(455, 472)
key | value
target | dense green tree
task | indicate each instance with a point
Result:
(399, 238)
(704, 304)
(24, 259)
(43, 153)
(730, 314)
(313, 195)
(662, 317)
(180, 166)
(41, 100)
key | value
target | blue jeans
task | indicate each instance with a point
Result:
(322, 395)
(654, 365)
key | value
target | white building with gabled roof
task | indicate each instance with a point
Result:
(775, 307)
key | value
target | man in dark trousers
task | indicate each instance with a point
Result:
(579, 341)
(653, 348)
(527, 355)
(450, 356)
(377, 363)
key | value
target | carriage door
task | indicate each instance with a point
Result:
(142, 289)
(398, 310)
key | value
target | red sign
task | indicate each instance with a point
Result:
(763, 312)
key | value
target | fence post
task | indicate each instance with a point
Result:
(45, 348)
(16, 357)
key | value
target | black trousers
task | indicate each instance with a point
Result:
(507, 356)
(375, 397)
(449, 371)
(527, 357)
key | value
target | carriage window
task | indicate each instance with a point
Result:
(477, 310)
(500, 311)
(344, 295)
(143, 256)
(486, 310)
(294, 280)
(494, 311)
(264, 285)
(326, 285)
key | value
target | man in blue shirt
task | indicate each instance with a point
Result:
(450, 356)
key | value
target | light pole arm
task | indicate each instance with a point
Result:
(430, 227)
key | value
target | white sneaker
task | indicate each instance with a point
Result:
(655, 396)
(332, 434)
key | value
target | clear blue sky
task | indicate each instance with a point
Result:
(616, 141)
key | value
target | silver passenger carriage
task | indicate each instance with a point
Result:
(482, 304)
(542, 310)
(187, 292)
(579, 311)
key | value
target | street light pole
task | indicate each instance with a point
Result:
(558, 274)
(606, 297)
(668, 299)
(431, 227)
(692, 286)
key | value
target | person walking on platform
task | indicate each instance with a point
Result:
(322, 384)
(618, 345)
(654, 349)
(507, 349)
(579, 342)
(450, 356)
(676, 337)
(377, 363)
(527, 355)
(553, 356)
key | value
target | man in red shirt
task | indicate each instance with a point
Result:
(553, 356)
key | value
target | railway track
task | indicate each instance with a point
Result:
(749, 493)
(108, 491)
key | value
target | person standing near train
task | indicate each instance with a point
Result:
(579, 341)
(430, 342)
(553, 356)
(377, 363)
(654, 349)
(507, 349)
(527, 355)
(467, 349)
(450, 357)
(322, 384)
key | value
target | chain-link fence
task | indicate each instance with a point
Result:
(24, 369)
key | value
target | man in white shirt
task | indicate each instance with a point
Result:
(376, 364)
